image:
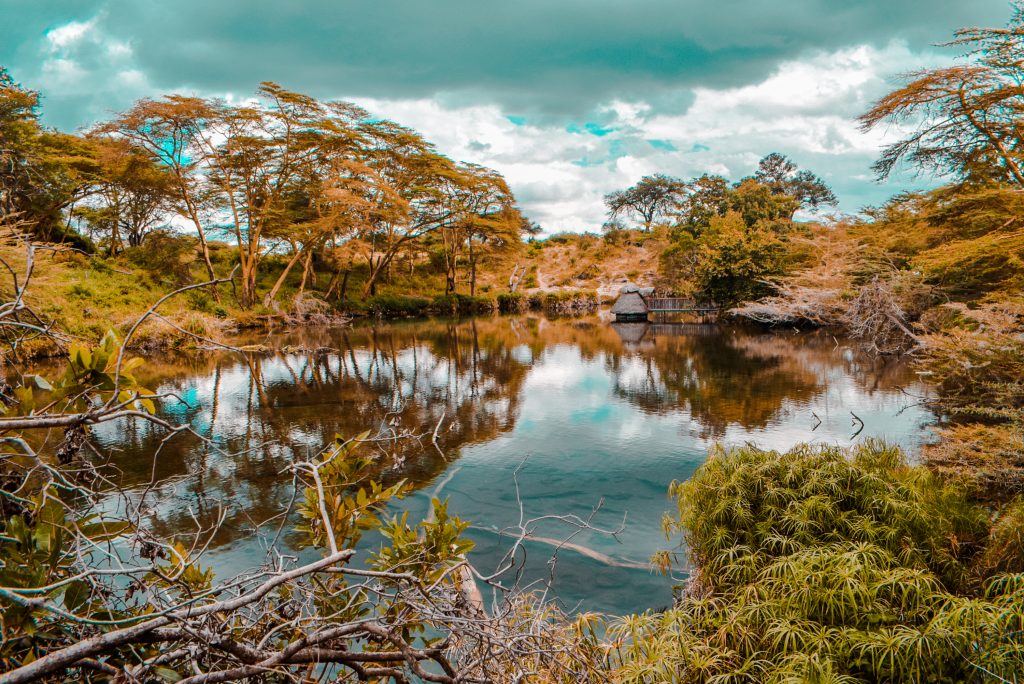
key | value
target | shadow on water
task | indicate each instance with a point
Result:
(577, 411)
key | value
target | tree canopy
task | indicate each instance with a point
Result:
(966, 117)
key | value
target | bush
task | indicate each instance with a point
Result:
(200, 300)
(825, 565)
(165, 255)
(455, 304)
(81, 291)
(512, 302)
(733, 259)
(397, 305)
(563, 301)
(979, 369)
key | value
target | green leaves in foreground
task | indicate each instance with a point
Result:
(822, 565)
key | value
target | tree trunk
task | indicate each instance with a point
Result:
(344, 286)
(305, 271)
(281, 278)
(204, 246)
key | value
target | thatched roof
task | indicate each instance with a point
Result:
(630, 303)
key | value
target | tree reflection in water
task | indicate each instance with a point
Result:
(591, 396)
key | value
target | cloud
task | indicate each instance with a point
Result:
(805, 109)
(533, 57)
(569, 98)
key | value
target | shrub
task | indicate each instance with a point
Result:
(979, 369)
(165, 255)
(563, 301)
(462, 304)
(78, 290)
(397, 305)
(512, 302)
(820, 564)
(199, 300)
(196, 324)
(734, 259)
(988, 458)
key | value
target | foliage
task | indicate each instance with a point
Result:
(734, 259)
(779, 173)
(462, 304)
(966, 116)
(987, 458)
(822, 565)
(728, 240)
(979, 368)
(42, 173)
(563, 301)
(651, 198)
(397, 305)
(281, 174)
(511, 302)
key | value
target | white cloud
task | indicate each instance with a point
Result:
(561, 171)
(68, 34)
(806, 109)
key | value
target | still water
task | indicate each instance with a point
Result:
(579, 413)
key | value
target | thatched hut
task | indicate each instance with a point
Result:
(631, 304)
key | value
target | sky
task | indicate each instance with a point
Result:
(568, 99)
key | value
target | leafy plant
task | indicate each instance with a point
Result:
(820, 564)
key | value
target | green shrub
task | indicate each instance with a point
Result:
(827, 565)
(512, 302)
(200, 300)
(454, 304)
(397, 305)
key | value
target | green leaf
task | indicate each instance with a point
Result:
(76, 594)
(104, 531)
(167, 674)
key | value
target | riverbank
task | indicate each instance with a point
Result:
(82, 297)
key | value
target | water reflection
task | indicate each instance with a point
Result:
(585, 411)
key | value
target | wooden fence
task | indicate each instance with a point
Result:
(680, 305)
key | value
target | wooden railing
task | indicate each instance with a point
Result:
(680, 304)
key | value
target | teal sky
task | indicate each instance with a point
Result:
(568, 98)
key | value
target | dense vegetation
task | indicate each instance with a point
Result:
(819, 565)
(285, 179)
(812, 565)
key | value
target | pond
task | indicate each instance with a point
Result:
(563, 417)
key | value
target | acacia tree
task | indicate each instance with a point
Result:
(782, 176)
(169, 131)
(131, 195)
(238, 166)
(333, 204)
(483, 221)
(42, 173)
(967, 117)
(412, 179)
(651, 198)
